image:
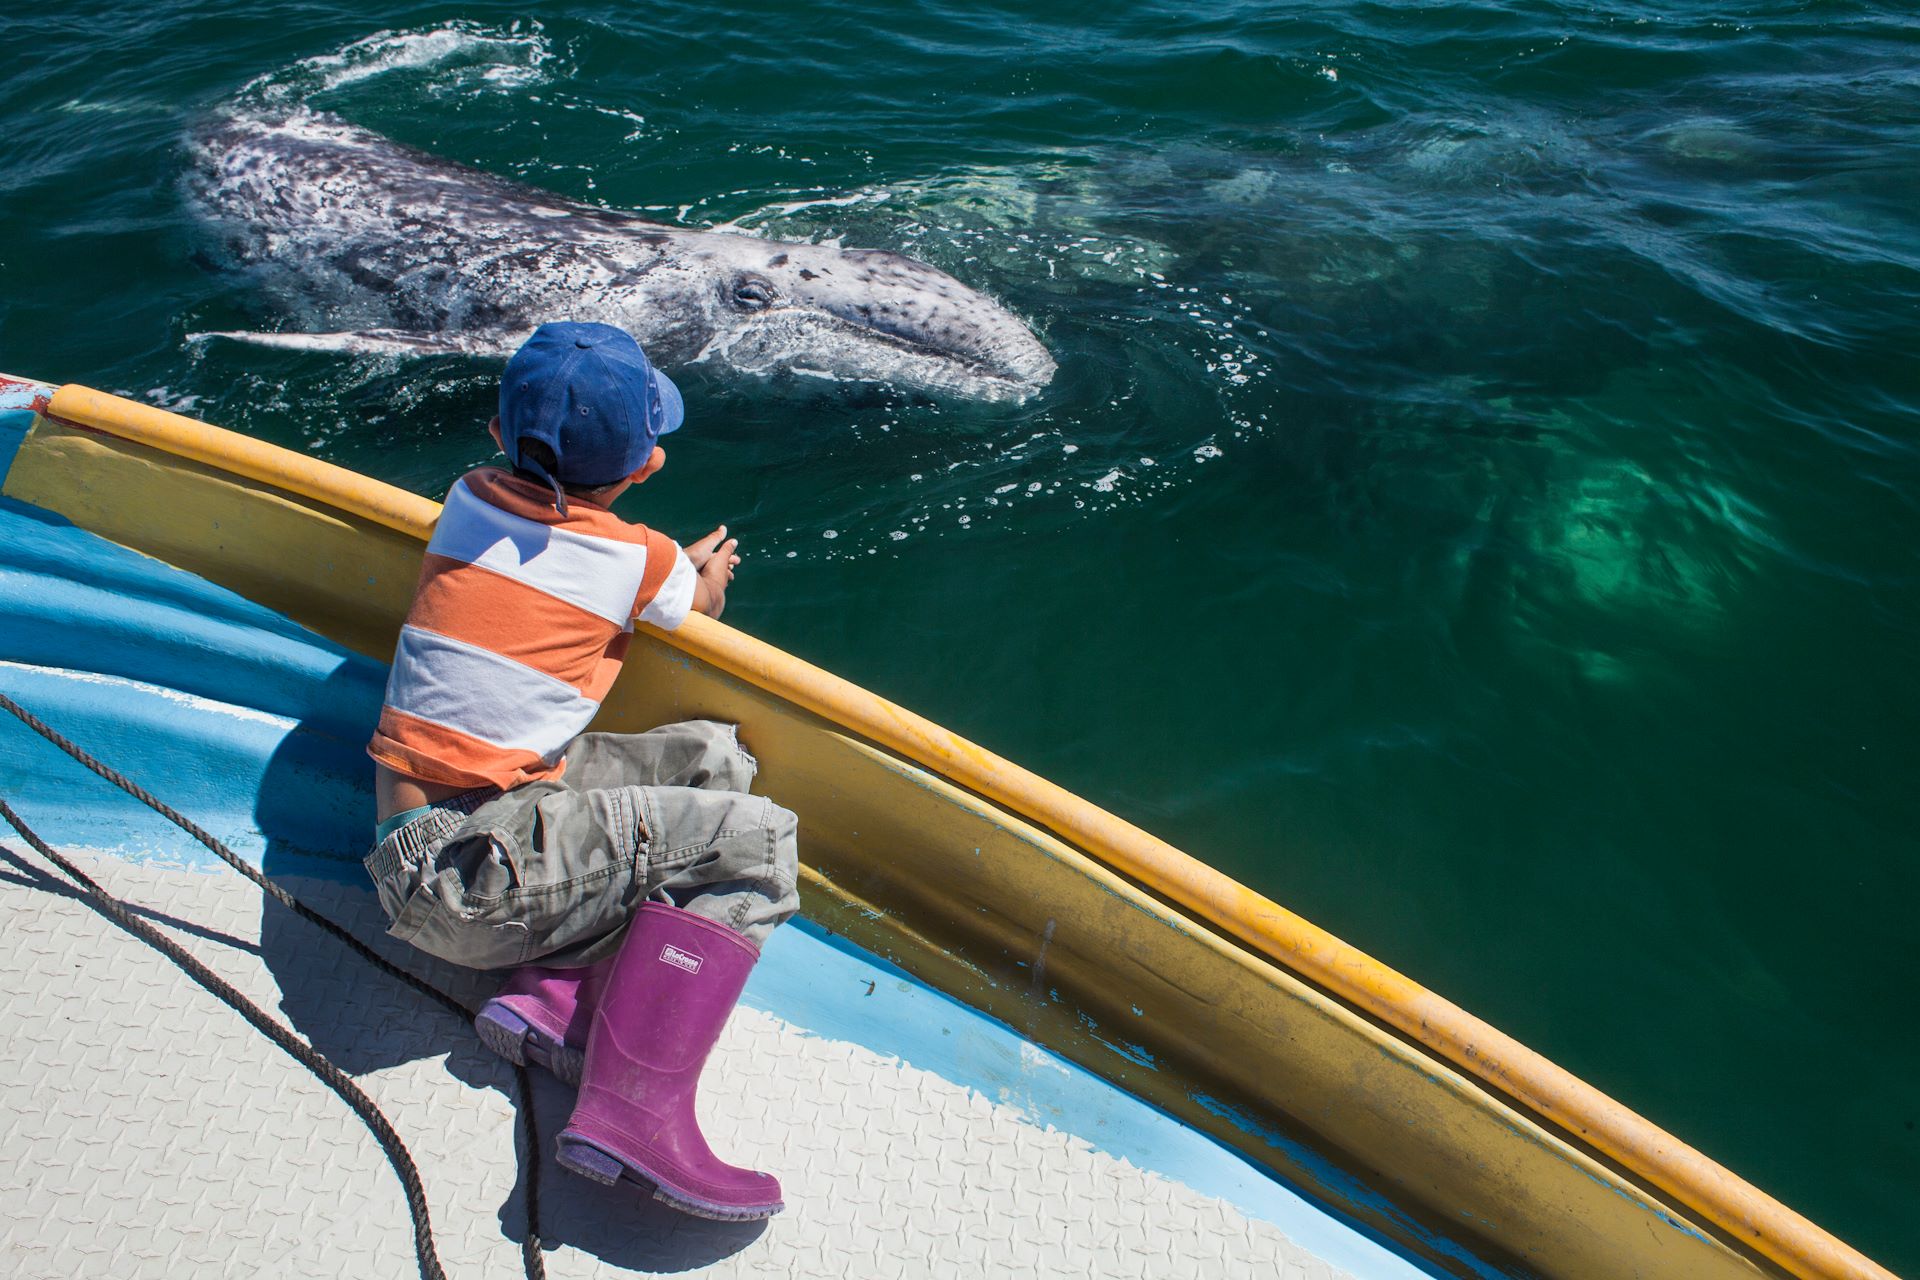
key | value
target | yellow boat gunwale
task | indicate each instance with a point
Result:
(1543, 1093)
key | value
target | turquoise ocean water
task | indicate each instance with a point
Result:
(1477, 505)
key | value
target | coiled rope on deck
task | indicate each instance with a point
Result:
(283, 1036)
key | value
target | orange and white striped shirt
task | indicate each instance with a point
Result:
(517, 630)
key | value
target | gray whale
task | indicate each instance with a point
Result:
(425, 256)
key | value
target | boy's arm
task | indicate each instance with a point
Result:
(714, 558)
(707, 599)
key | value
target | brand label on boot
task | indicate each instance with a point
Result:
(680, 959)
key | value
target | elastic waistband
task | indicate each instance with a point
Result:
(398, 821)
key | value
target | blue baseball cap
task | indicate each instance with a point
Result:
(589, 393)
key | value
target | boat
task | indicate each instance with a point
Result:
(1012, 1032)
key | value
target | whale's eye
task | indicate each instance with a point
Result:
(753, 293)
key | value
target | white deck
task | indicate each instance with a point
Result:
(148, 1131)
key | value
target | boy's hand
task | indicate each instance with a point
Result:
(702, 551)
(714, 557)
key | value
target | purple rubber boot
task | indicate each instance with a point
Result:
(542, 1015)
(674, 982)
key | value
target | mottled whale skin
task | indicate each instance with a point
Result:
(421, 255)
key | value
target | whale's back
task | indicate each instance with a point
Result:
(343, 217)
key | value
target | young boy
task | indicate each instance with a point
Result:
(633, 869)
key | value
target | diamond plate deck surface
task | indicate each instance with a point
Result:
(147, 1130)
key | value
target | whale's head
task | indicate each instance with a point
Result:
(862, 315)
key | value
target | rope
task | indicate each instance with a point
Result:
(390, 1141)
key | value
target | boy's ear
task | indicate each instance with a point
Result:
(655, 460)
(493, 429)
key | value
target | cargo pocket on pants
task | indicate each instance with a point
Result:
(457, 935)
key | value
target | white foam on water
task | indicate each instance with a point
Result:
(743, 223)
(173, 401)
(116, 107)
(499, 59)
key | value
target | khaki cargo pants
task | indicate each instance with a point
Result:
(553, 871)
